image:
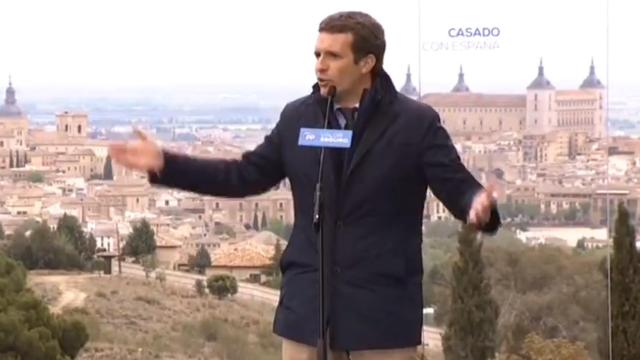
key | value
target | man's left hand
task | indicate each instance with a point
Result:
(483, 202)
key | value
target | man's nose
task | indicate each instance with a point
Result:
(321, 65)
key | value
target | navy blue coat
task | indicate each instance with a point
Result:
(373, 213)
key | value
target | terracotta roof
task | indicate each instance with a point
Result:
(7, 133)
(164, 241)
(245, 254)
(83, 151)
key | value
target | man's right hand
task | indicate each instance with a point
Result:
(142, 154)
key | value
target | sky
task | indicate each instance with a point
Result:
(184, 49)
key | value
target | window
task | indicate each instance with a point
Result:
(280, 205)
(217, 205)
(240, 206)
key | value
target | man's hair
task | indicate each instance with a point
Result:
(368, 34)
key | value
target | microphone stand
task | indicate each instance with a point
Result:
(318, 212)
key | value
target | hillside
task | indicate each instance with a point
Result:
(141, 319)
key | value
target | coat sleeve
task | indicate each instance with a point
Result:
(446, 175)
(256, 172)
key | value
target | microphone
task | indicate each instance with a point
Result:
(318, 209)
(331, 93)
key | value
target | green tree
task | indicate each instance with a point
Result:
(442, 229)
(91, 246)
(2, 234)
(69, 228)
(571, 214)
(529, 211)
(149, 263)
(542, 290)
(161, 277)
(256, 224)
(107, 172)
(141, 241)
(538, 348)
(200, 287)
(73, 336)
(507, 209)
(263, 222)
(275, 280)
(472, 324)
(625, 289)
(275, 259)
(220, 229)
(222, 285)
(202, 260)
(279, 228)
(602, 320)
(581, 244)
(585, 210)
(27, 226)
(27, 329)
(43, 249)
(36, 177)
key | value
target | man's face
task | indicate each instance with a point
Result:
(335, 65)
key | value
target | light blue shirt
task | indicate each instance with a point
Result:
(340, 116)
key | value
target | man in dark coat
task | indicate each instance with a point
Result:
(374, 195)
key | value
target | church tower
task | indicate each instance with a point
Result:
(72, 125)
(408, 88)
(461, 86)
(541, 104)
(592, 84)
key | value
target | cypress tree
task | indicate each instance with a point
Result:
(472, 324)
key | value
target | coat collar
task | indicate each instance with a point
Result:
(374, 108)
(382, 90)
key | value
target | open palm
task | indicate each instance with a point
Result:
(142, 154)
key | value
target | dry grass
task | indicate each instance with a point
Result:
(433, 355)
(137, 319)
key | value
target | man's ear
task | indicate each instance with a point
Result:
(367, 63)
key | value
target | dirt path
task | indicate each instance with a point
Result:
(70, 295)
(70, 298)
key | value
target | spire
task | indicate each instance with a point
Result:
(408, 88)
(540, 82)
(541, 68)
(10, 107)
(460, 86)
(592, 81)
(10, 94)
